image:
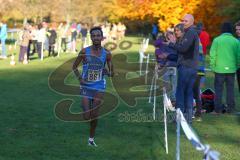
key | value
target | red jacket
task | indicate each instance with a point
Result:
(205, 40)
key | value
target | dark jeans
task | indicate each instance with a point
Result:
(238, 78)
(196, 95)
(32, 47)
(64, 44)
(39, 49)
(51, 50)
(23, 51)
(184, 93)
(154, 36)
(220, 79)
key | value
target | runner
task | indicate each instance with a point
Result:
(92, 81)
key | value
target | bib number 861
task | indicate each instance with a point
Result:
(94, 75)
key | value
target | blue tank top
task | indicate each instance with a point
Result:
(92, 71)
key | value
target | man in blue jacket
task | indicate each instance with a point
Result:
(188, 50)
(154, 31)
(3, 37)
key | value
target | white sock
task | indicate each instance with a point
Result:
(91, 139)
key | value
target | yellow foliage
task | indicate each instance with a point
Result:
(167, 12)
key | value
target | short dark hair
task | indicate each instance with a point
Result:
(180, 26)
(227, 27)
(237, 23)
(96, 28)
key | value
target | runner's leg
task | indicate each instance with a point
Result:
(94, 113)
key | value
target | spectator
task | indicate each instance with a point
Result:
(52, 36)
(199, 78)
(73, 37)
(204, 37)
(113, 32)
(46, 43)
(160, 55)
(237, 27)
(224, 61)
(3, 37)
(154, 31)
(26, 36)
(119, 31)
(69, 39)
(63, 34)
(41, 34)
(123, 30)
(33, 41)
(167, 57)
(107, 31)
(84, 32)
(187, 49)
(79, 29)
(179, 32)
(59, 38)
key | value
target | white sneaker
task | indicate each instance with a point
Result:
(92, 143)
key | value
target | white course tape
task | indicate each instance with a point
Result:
(193, 138)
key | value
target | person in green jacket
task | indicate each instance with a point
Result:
(224, 61)
(237, 28)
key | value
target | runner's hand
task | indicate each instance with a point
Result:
(82, 81)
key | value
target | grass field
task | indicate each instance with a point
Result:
(29, 129)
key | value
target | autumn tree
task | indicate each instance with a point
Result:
(167, 13)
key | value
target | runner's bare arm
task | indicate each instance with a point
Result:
(110, 64)
(79, 59)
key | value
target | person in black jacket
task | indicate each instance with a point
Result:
(52, 36)
(187, 50)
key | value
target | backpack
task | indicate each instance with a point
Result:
(207, 98)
